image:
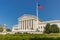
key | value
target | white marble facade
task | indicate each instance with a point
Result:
(28, 23)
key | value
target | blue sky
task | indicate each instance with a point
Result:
(10, 10)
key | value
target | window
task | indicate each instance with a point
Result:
(41, 30)
(41, 27)
(15, 28)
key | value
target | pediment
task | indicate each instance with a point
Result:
(26, 17)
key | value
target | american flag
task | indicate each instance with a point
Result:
(40, 6)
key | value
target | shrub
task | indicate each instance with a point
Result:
(51, 28)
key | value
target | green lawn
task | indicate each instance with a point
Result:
(53, 36)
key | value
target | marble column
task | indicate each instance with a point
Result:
(27, 25)
(31, 23)
(24, 24)
(21, 25)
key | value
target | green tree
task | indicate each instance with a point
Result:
(47, 28)
(51, 28)
(54, 28)
(8, 30)
(1, 28)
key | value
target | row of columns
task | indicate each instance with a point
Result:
(26, 24)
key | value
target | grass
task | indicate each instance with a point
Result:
(52, 36)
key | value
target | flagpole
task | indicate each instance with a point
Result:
(37, 11)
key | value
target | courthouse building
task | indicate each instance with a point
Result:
(28, 23)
